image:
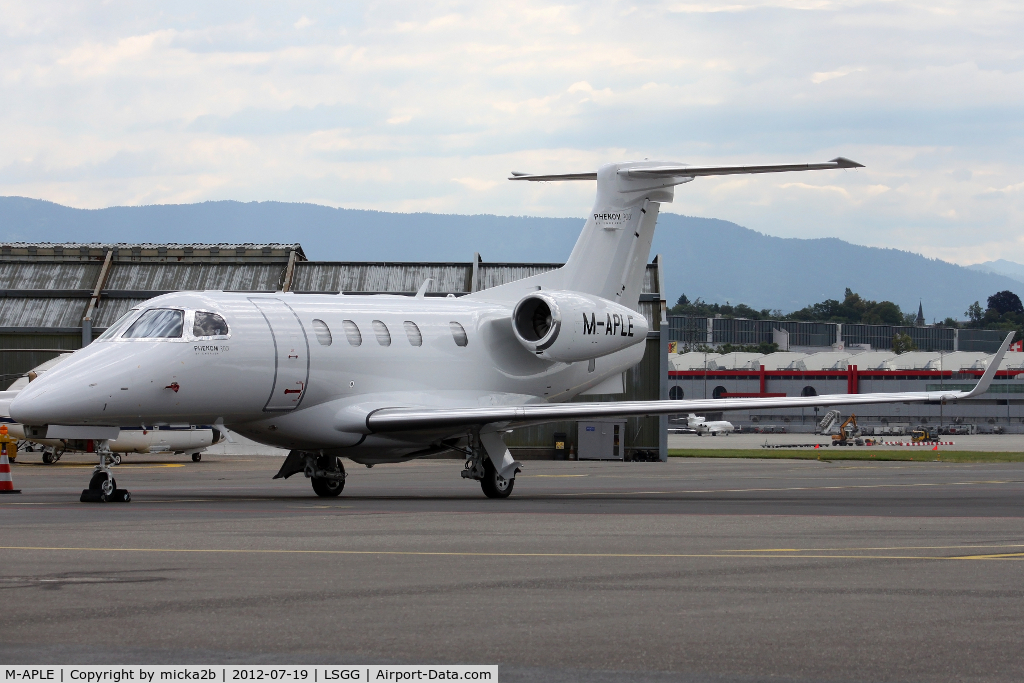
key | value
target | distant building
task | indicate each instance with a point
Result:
(920, 314)
(691, 332)
(697, 375)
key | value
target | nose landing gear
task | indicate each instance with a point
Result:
(103, 486)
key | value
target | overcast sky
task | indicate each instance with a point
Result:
(420, 106)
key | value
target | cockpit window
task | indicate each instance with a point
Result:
(157, 323)
(118, 325)
(209, 325)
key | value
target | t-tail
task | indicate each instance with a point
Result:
(611, 254)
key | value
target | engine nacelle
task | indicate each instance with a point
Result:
(570, 327)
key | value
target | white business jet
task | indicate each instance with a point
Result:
(714, 427)
(383, 379)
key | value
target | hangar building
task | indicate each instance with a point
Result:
(59, 297)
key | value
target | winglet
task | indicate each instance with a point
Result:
(990, 371)
(843, 162)
(422, 291)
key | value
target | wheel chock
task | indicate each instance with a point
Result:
(119, 496)
(97, 496)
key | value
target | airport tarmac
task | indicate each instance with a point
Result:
(691, 570)
(969, 442)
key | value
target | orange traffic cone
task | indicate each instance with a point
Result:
(6, 483)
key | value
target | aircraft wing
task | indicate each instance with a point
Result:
(403, 419)
(694, 171)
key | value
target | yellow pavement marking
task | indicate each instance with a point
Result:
(75, 465)
(790, 488)
(423, 553)
(904, 547)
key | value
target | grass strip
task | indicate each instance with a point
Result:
(850, 453)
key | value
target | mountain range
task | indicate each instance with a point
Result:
(713, 259)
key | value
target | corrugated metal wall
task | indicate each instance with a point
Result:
(53, 275)
(493, 275)
(325, 276)
(35, 312)
(169, 277)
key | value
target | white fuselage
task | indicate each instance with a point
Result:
(277, 378)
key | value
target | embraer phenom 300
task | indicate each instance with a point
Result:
(383, 379)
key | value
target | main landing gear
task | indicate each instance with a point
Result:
(480, 467)
(325, 472)
(103, 486)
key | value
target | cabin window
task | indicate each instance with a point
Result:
(157, 323)
(676, 393)
(412, 331)
(114, 329)
(323, 333)
(459, 333)
(383, 335)
(355, 338)
(209, 325)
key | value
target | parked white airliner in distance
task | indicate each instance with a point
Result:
(382, 379)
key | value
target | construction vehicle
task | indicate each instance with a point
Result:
(922, 434)
(849, 433)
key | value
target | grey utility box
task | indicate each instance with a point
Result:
(600, 440)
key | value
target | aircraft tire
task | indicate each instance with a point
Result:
(196, 457)
(117, 459)
(492, 486)
(48, 458)
(327, 488)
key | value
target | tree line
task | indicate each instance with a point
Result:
(852, 309)
(1004, 311)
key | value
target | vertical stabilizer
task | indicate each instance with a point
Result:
(610, 256)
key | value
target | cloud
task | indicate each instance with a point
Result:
(415, 106)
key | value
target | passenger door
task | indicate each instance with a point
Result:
(292, 349)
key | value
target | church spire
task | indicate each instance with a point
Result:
(920, 314)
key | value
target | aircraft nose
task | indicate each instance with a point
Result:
(78, 391)
(43, 403)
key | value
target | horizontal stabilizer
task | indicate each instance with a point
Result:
(554, 176)
(683, 171)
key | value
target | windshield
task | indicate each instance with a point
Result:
(112, 331)
(209, 325)
(157, 323)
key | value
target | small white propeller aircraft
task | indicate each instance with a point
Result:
(383, 379)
